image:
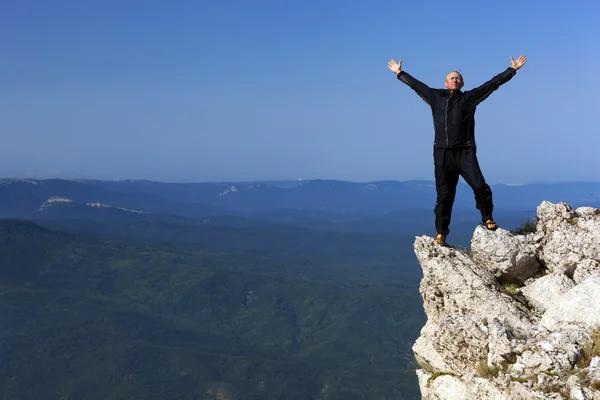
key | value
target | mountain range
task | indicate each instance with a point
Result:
(316, 199)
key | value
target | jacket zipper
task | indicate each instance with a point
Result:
(446, 121)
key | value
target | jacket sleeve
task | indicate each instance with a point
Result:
(478, 94)
(424, 91)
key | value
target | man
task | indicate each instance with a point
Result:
(455, 151)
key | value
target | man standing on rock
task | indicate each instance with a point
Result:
(455, 152)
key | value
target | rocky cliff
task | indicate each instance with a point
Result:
(517, 316)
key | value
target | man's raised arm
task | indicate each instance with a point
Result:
(424, 91)
(478, 94)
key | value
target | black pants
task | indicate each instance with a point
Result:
(449, 165)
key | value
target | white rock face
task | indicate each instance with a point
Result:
(544, 292)
(486, 340)
(509, 257)
(579, 305)
(447, 387)
(452, 282)
(586, 269)
(571, 236)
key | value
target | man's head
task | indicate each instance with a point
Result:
(454, 81)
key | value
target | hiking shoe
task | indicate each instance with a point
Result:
(441, 239)
(490, 224)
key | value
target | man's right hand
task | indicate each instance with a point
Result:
(394, 66)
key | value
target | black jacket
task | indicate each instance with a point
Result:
(454, 114)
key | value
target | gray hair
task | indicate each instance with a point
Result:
(459, 74)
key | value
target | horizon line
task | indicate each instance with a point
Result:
(36, 177)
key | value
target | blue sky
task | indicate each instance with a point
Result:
(241, 90)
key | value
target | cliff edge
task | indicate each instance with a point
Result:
(517, 316)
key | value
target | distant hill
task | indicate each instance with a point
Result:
(336, 196)
(377, 207)
(529, 196)
(25, 198)
(325, 195)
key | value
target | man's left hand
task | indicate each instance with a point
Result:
(519, 63)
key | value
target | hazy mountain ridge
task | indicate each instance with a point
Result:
(20, 197)
(320, 194)
(183, 221)
(23, 198)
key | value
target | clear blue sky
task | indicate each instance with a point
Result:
(251, 90)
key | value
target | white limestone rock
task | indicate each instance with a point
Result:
(508, 256)
(501, 347)
(579, 305)
(585, 269)
(427, 352)
(482, 343)
(456, 335)
(453, 284)
(447, 387)
(570, 237)
(588, 211)
(519, 391)
(543, 292)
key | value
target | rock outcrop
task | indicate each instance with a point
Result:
(517, 316)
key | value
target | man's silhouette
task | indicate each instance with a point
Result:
(455, 152)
